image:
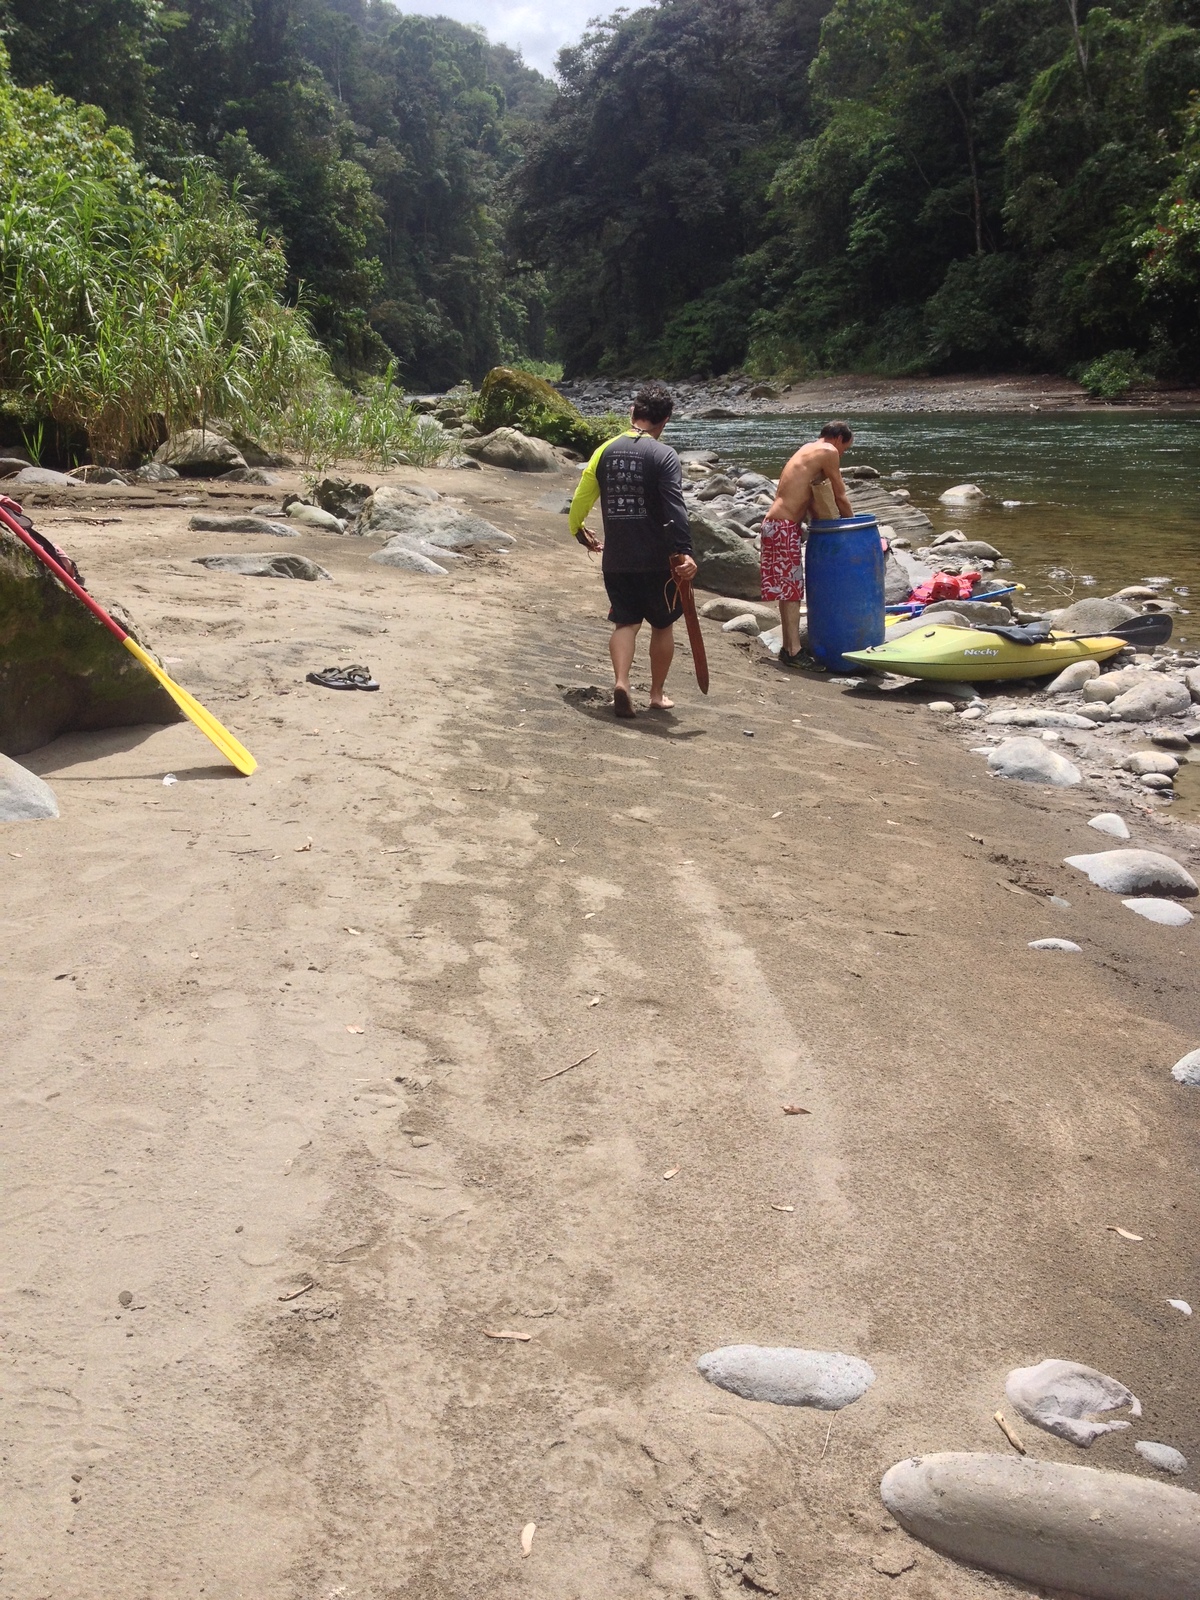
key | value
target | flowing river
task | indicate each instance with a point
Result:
(1095, 500)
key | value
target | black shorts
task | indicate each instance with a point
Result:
(642, 597)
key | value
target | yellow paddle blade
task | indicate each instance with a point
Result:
(233, 752)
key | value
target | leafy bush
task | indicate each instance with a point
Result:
(1112, 376)
(123, 306)
(377, 427)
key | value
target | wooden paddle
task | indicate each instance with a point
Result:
(204, 720)
(695, 637)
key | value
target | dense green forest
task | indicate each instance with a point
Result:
(782, 185)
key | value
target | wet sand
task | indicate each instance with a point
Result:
(279, 1057)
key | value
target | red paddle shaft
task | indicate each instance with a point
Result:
(62, 575)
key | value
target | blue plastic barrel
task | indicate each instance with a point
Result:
(843, 580)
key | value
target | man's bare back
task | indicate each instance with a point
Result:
(793, 499)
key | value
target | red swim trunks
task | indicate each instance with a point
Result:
(782, 548)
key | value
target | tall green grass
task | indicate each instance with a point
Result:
(127, 309)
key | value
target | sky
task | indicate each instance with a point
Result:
(537, 30)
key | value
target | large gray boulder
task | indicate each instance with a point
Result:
(1092, 616)
(723, 610)
(1064, 1398)
(1104, 1535)
(247, 524)
(1160, 697)
(342, 497)
(1035, 717)
(60, 669)
(825, 1379)
(38, 478)
(514, 450)
(982, 613)
(725, 561)
(1135, 872)
(389, 508)
(200, 453)
(305, 516)
(24, 797)
(283, 565)
(1033, 761)
(1072, 679)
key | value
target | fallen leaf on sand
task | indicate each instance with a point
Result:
(796, 1111)
(527, 1533)
(587, 915)
(307, 845)
(1125, 1234)
(775, 814)
(774, 1207)
(353, 1027)
(506, 1333)
(353, 930)
(976, 837)
(1002, 1423)
(595, 1001)
(15, 854)
(1015, 888)
(670, 1174)
(1181, 1305)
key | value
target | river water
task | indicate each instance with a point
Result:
(1102, 499)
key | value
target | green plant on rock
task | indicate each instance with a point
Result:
(511, 399)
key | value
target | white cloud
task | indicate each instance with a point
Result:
(538, 31)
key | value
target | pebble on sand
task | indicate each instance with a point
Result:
(1056, 944)
(1072, 678)
(826, 1379)
(1062, 1397)
(1031, 761)
(1109, 822)
(1187, 1068)
(1162, 1456)
(1135, 872)
(1108, 1535)
(1143, 762)
(1167, 913)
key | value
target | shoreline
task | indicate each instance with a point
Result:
(398, 1127)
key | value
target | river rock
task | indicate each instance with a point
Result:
(201, 523)
(60, 669)
(826, 1379)
(11, 464)
(977, 550)
(1161, 1456)
(265, 566)
(1036, 717)
(1143, 761)
(755, 483)
(1136, 591)
(1033, 762)
(1167, 913)
(1092, 616)
(155, 472)
(1168, 739)
(24, 797)
(724, 610)
(1060, 1396)
(1071, 679)
(1109, 822)
(1103, 1535)
(258, 476)
(38, 478)
(746, 623)
(1187, 1068)
(400, 553)
(430, 528)
(1056, 944)
(944, 619)
(725, 561)
(513, 450)
(981, 613)
(715, 487)
(962, 494)
(306, 516)
(1096, 713)
(91, 472)
(1135, 872)
(199, 453)
(342, 497)
(1161, 697)
(1110, 685)
(1156, 780)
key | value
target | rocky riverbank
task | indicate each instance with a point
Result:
(506, 1134)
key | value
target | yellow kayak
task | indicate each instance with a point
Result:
(972, 655)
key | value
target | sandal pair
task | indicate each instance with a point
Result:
(352, 677)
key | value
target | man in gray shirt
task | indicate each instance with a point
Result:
(639, 484)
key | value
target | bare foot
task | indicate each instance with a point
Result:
(663, 703)
(622, 704)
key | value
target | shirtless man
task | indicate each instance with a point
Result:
(813, 466)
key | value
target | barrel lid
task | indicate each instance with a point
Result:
(858, 523)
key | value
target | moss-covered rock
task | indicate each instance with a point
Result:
(60, 669)
(510, 399)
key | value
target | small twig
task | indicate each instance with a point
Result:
(828, 1431)
(296, 1293)
(1002, 1423)
(571, 1068)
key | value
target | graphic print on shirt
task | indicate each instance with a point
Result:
(624, 497)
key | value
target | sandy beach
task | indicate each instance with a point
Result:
(284, 1147)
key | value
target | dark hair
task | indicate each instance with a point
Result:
(653, 402)
(837, 430)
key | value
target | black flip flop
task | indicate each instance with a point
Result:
(352, 677)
